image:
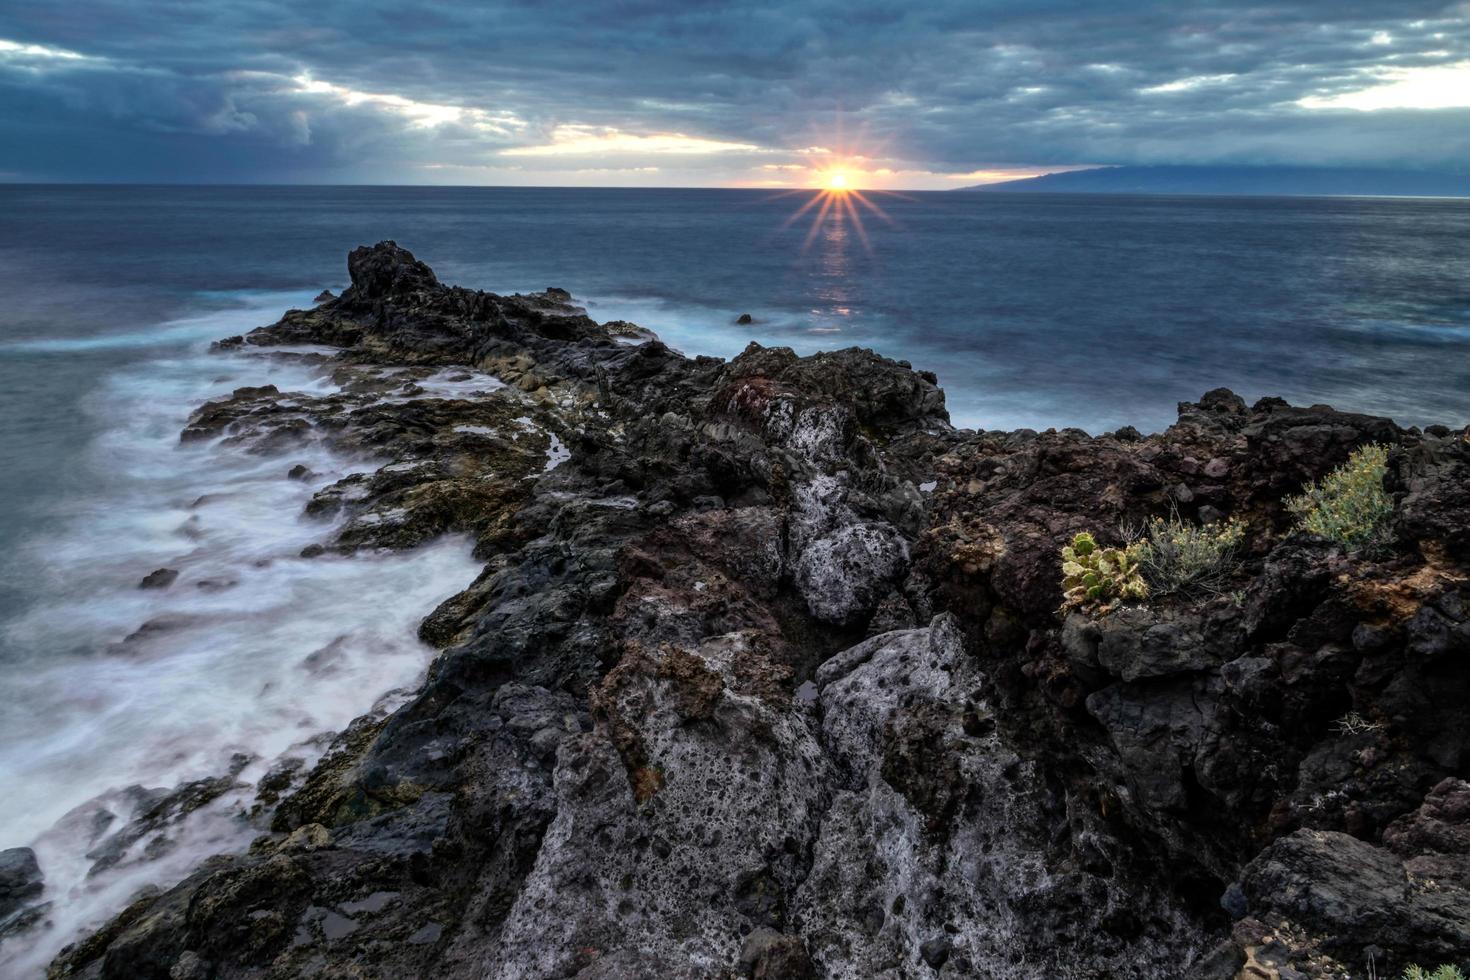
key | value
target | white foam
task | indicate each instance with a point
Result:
(86, 709)
(451, 382)
(556, 453)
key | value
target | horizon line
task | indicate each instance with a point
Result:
(752, 190)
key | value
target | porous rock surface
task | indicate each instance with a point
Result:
(733, 697)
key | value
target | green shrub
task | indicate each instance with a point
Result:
(1177, 556)
(1349, 505)
(1095, 578)
(1445, 972)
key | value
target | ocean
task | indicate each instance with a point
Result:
(1034, 310)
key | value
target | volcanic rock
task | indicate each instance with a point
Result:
(20, 879)
(159, 578)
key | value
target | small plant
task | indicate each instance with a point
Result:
(1349, 505)
(1353, 723)
(1095, 578)
(1177, 556)
(1445, 972)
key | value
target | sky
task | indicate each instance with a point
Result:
(920, 95)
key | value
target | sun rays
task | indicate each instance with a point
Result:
(835, 206)
(839, 178)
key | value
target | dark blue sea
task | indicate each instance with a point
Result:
(1034, 310)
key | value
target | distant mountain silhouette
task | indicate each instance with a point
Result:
(1288, 181)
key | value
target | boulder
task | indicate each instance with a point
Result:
(384, 271)
(21, 880)
(1355, 897)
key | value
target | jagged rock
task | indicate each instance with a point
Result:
(624, 330)
(384, 271)
(698, 851)
(1434, 841)
(1156, 732)
(152, 811)
(21, 879)
(1138, 643)
(1351, 895)
(931, 855)
(844, 573)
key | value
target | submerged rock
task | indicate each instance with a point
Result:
(159, 578)
(606, 773)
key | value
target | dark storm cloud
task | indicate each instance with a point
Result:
(371, 90)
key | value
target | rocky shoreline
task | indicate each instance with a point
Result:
(765, 677)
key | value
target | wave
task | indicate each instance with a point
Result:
(239, 666)
(247, 309)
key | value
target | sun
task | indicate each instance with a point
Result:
(835, 195)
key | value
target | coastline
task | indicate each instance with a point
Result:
(730, 642)
(144, 720)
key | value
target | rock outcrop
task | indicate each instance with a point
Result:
(734, 696)
(21, 883)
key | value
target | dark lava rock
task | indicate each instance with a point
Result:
(770, 955)
(20, 879)
(324, 296)
(745, 319)
(627, 330)
(386, 270)
(606, 774)
(1353, 895)
(300, 472)
(160, 578)
(1434, 840)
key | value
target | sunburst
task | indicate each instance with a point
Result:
(839, 178)
(836, 198)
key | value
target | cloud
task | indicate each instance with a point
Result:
(572, 140)
(16, 52)
(713, 92)
(1440, 87)
(424, 115)
(1188, 84)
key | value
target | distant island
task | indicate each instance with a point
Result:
(1287, 181)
